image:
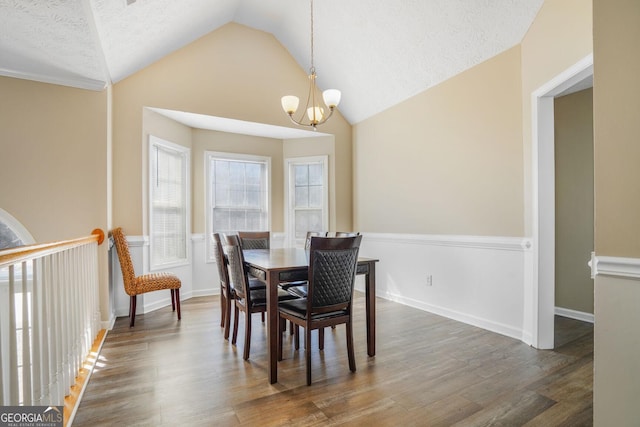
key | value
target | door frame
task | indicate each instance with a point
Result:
(542, 297)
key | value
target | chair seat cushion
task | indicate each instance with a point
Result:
(287, 285)
(259, 296)
(256, 283)
(300, 290)
(298, 308)
(155, 282)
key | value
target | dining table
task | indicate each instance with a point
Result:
(282, 265)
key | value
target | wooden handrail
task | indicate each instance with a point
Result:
(22, 253)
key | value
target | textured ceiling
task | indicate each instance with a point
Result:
(377, 52)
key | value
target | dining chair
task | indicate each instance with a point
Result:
(137, 285)
(299, 288)
(346, 233)
(255, 239)
(246, 299)
(332, 270)
(226, 291)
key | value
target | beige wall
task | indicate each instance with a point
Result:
(234, 72)
(617, 126)
(559, 37)
(574, 200)
(464, 146)
(616, 31)
(53, 178)
(447, 161)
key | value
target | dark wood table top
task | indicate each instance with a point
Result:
(282, 258)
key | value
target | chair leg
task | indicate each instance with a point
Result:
(307, 353)
(177, 296)
(247, 335)
(321, 338)
(173, 299)
(227, 317)
(263, 317)
(350, 353)
(235, 326)
(223, 309)
(296, 337)
(291, 327)
(132, 310)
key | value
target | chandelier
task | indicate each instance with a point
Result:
(315, 112)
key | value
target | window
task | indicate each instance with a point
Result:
(237, 194)
(168, 203)
(307, 195)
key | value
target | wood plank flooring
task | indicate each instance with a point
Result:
(428, 371)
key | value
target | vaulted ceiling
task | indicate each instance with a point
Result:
(377, 52)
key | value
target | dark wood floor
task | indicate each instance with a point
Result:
(428, 371)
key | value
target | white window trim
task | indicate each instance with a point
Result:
(186, 152)
(289, 192)
(208, 155)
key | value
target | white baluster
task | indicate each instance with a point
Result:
(46, 347)
(4, 334)
(26, 339)
(13, 344)
(36, 330)
(56, 333)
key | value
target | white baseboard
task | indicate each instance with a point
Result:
(108, 324)
(458, 316)
(206, 292)
(574, 314)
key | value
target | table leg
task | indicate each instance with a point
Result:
(370, 297)
(273, 278)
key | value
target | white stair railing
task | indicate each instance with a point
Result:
(49, 318)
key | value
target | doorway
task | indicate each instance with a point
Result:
(542, 300)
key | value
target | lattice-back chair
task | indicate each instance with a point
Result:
(255, 239)
(137, 285)
(332, 272)
(246, 299)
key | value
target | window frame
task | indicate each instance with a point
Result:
(289, 195)
(185, 153)
(212, 155)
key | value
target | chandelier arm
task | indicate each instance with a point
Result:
(301, 123)
(331, 109)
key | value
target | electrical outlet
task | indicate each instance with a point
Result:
(429, 280)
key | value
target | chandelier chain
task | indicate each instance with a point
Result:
(315, 111)
(312, 66)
